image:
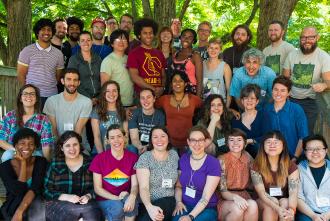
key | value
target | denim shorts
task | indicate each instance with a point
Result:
(113, 209)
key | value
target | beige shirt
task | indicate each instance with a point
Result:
(306, 70)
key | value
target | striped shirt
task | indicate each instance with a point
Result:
(38, 122)
(42, 66)
(60, 179)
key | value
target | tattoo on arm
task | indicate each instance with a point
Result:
(293, 185)
(223, 184)
(256, 177)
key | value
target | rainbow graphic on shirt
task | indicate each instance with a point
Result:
(116, 178)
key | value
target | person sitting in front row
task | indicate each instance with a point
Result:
(22, 176)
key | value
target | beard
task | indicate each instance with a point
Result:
(275, 38)
(242, 46)
(308, 50)
(60, 35)
(70, 91)
(97, 36)
(74, 37)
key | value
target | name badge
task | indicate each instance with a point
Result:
(322, 201)
(167, 183)
(275, 191)
(144, 138)
(262, 93)
(190, 192)
(68, 126)
(221, 142)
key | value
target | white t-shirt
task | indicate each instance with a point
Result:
(275, 56)
(306, 70)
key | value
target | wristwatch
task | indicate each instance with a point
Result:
(191, 217)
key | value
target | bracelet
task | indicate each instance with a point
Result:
(191, 217)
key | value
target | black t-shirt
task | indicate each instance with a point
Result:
(318, 174)
(233, 57)
(65, 48)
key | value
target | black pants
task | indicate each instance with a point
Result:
(167, 204)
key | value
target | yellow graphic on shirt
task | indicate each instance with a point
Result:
(116, 178)
(151, 65)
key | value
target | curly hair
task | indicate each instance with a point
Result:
(24, 133)
(41, 23)
(74, 20)
(142, 23)
(102, 103)
(19, 112)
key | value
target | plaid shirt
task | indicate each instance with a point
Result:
(38, 122)
(61, 180)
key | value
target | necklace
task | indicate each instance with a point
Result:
(178, 102)
(197, 158)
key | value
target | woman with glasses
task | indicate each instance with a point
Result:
(251, 121)
(314, 191)
(275, 179)
(27, 114)
(199, 176)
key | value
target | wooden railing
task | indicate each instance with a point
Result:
(9, 88)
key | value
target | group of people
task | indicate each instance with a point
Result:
(117, 127)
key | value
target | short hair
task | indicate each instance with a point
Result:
(236, 132)
(317, 137)
(199, 128)
(175, 19)
(250, 88)
(111, 17)
(117, 34)
(164, 129)
(277, 22)
(85, 33)
(284, 81)
(192, 31)
(216, 41)
(24, 133)
(148, 89)
(63, 139)
(41, 23)
(142, 23)
(115, 127)
(58, 20)
(205, 23)
(253, 53)
(75, 21)
(246, 28)
(126, 15)
(71, 71)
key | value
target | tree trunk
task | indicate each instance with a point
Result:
(184, 9)
(134, 11)
(19, 19)
(272, 10)
(164, 11)
(146, 9)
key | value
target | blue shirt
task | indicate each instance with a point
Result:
(291, 121)
(264, 79)
(101, 50)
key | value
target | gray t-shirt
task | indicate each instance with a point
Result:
(306, 70)
(158, 170)
(275, 56)
(145, 123)
(213, 81)
(68, 113)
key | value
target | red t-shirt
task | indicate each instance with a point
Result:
(116, 174)
(179, 121)
(150, 63)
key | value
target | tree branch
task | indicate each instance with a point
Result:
(107, 7)
(146, 8)
(184, 9)
(253, 12)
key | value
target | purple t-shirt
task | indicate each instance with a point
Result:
(116, 174)
(197, 178)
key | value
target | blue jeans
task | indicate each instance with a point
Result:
(208, 214)
(302, 217)
(113, 209)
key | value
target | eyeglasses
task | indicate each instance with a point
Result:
(194, 142)
(316, 149)
(310, 38)
(121, 39)
(26, 94)
(98, 28)
(275, 142)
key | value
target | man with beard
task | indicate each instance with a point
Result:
(204, 31)
(57, 41)
(40, 63)
(241, 36)
(75, 26)
(176, 30)
(69, 110)
(98, 32)
(126, 24)
(309, 70)
(277, 52)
